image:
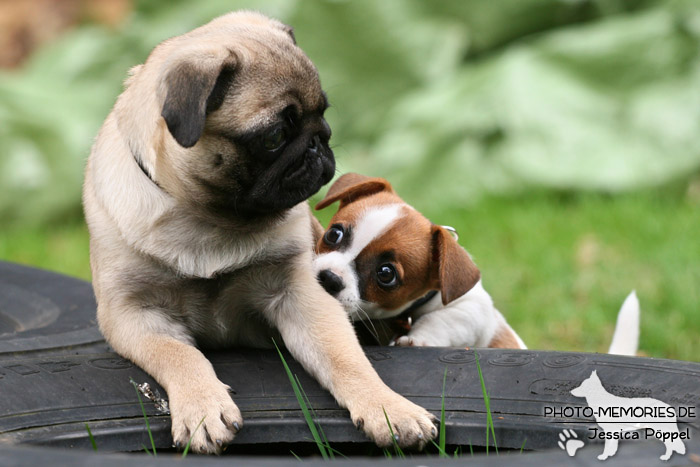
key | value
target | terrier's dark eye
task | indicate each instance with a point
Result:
(334, 235)
(275, 139)
(386, 275)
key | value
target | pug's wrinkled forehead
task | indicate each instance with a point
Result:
(243, 71)
(251, 106)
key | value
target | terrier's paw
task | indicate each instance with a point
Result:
(409, 341)
(210, 405)
(412, 426)
(403, 341)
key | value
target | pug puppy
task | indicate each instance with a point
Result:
(200, 235)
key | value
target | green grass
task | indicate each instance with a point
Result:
(145, 418)
(327, 452)
(442, 435)
(62, 248)
(92, 438)
(398, 452)
(316, 431)
(560, 268)
(189, 441)
(148, 428)
(319, 437)
(557, 266)
(442, 438)
(487, 406)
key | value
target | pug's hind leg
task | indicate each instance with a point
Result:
(195, 394)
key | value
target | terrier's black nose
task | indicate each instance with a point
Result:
(331, 282)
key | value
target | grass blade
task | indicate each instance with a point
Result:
(487, 403)
(440, 445)
(92, 438)
(189, 442)
(335, 451)
(442, 437)
(331, 452)
(441, 453)
(523, 446)
(304, 408)
(397, 449)
(145, 417)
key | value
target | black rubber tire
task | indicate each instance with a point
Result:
(72, 378)
(41, 310)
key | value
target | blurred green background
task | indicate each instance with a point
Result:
(560, 137)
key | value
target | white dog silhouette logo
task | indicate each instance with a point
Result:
(616, 415)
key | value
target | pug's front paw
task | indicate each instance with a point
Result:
(206, 414)
(411, 425)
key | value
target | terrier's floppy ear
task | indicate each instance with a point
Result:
(454, 271)
(352, 186)
(195, 87)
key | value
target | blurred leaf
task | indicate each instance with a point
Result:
(448, 99)
(610, 106)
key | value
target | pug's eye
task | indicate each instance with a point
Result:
(275, 139)
(386, 275)
(334, 235)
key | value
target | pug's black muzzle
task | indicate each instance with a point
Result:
(294, 178)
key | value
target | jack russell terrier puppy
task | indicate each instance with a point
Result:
(410, 280)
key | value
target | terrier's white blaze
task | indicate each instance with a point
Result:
(373, 222)
(626, 337)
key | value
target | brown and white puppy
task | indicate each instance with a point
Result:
(381, 259)
(200, 234)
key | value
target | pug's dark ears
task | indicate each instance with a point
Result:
(194, 88)
(353, 186)
(290, 31)
(453, 271)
